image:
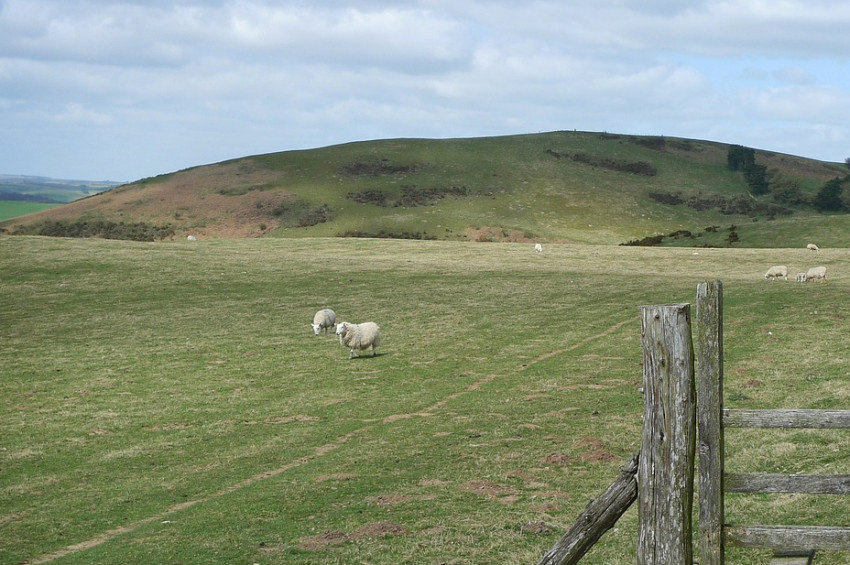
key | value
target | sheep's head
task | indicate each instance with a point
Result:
(341, 327)
(316, 328)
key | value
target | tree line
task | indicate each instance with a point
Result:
(829, 198)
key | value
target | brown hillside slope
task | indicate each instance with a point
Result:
(210, 201)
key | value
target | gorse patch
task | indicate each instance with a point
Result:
(135, 231)
(411, 196)
(376, 168)
(301, 214)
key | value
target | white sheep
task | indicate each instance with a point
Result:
(776, 272)
(538, 248)
(816, 273)
(801, 277)
(191, 237)
(324, 319)
(812, 247)
(359, 336)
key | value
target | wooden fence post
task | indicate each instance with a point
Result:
(666, 469)
(709, 329)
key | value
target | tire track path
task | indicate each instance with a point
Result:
(317, 453)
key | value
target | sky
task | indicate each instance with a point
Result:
(127, 89)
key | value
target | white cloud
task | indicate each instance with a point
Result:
(78, 113)
(217, 79)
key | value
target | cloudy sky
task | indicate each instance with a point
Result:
(126, 89)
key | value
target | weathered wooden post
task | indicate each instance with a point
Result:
(709, 329)
(599, 517)
(666, 469)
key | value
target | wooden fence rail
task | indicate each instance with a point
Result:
(599, 517)
(672, 421)
(714, 532)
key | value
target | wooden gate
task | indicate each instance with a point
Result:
(714, 482)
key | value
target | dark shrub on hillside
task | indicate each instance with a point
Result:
(301, 214)
(655, 143)
(649, 241)
(654, 240)
(631, 167)
(404, 234)
(374, 197)
(412, 196)
(790, 195)
(828, 198)
(138, 231)
(244, 189)
(756, 177)
(667, 198)
(376, 168)
(743, 205)
(739, 157)
(635, 168)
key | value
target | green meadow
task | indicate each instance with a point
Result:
(13, 209)
(168, 402)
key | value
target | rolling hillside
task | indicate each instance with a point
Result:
(565, 187)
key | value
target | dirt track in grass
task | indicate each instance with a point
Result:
(333, 537)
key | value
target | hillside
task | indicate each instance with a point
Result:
(554, 187)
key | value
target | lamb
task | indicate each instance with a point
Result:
(359, 336)
(776, 272)
(816, 273)
(801, 277)
(324, 319)
(812, 247)
(538, 248)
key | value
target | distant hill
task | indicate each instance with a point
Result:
(558, 187)
(23, 188)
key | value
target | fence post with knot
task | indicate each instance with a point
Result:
(666, 469)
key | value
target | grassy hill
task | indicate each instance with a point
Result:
(579, 187)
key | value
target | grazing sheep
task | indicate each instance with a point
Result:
(538, 248)
(359, 336)
(323, 320)
(776, 272)
(801, 277)
(191, 237)
(812, 247)
(816, 273)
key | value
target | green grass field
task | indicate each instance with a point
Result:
(13, 209)
(169, 403)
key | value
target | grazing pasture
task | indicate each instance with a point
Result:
(170, 403)
(13, 209)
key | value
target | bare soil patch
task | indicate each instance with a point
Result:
(490, 489)
(336, 537)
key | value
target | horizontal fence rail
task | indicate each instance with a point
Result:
(715, 482)
(813, 419)
(769, 483)
(786, 538)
